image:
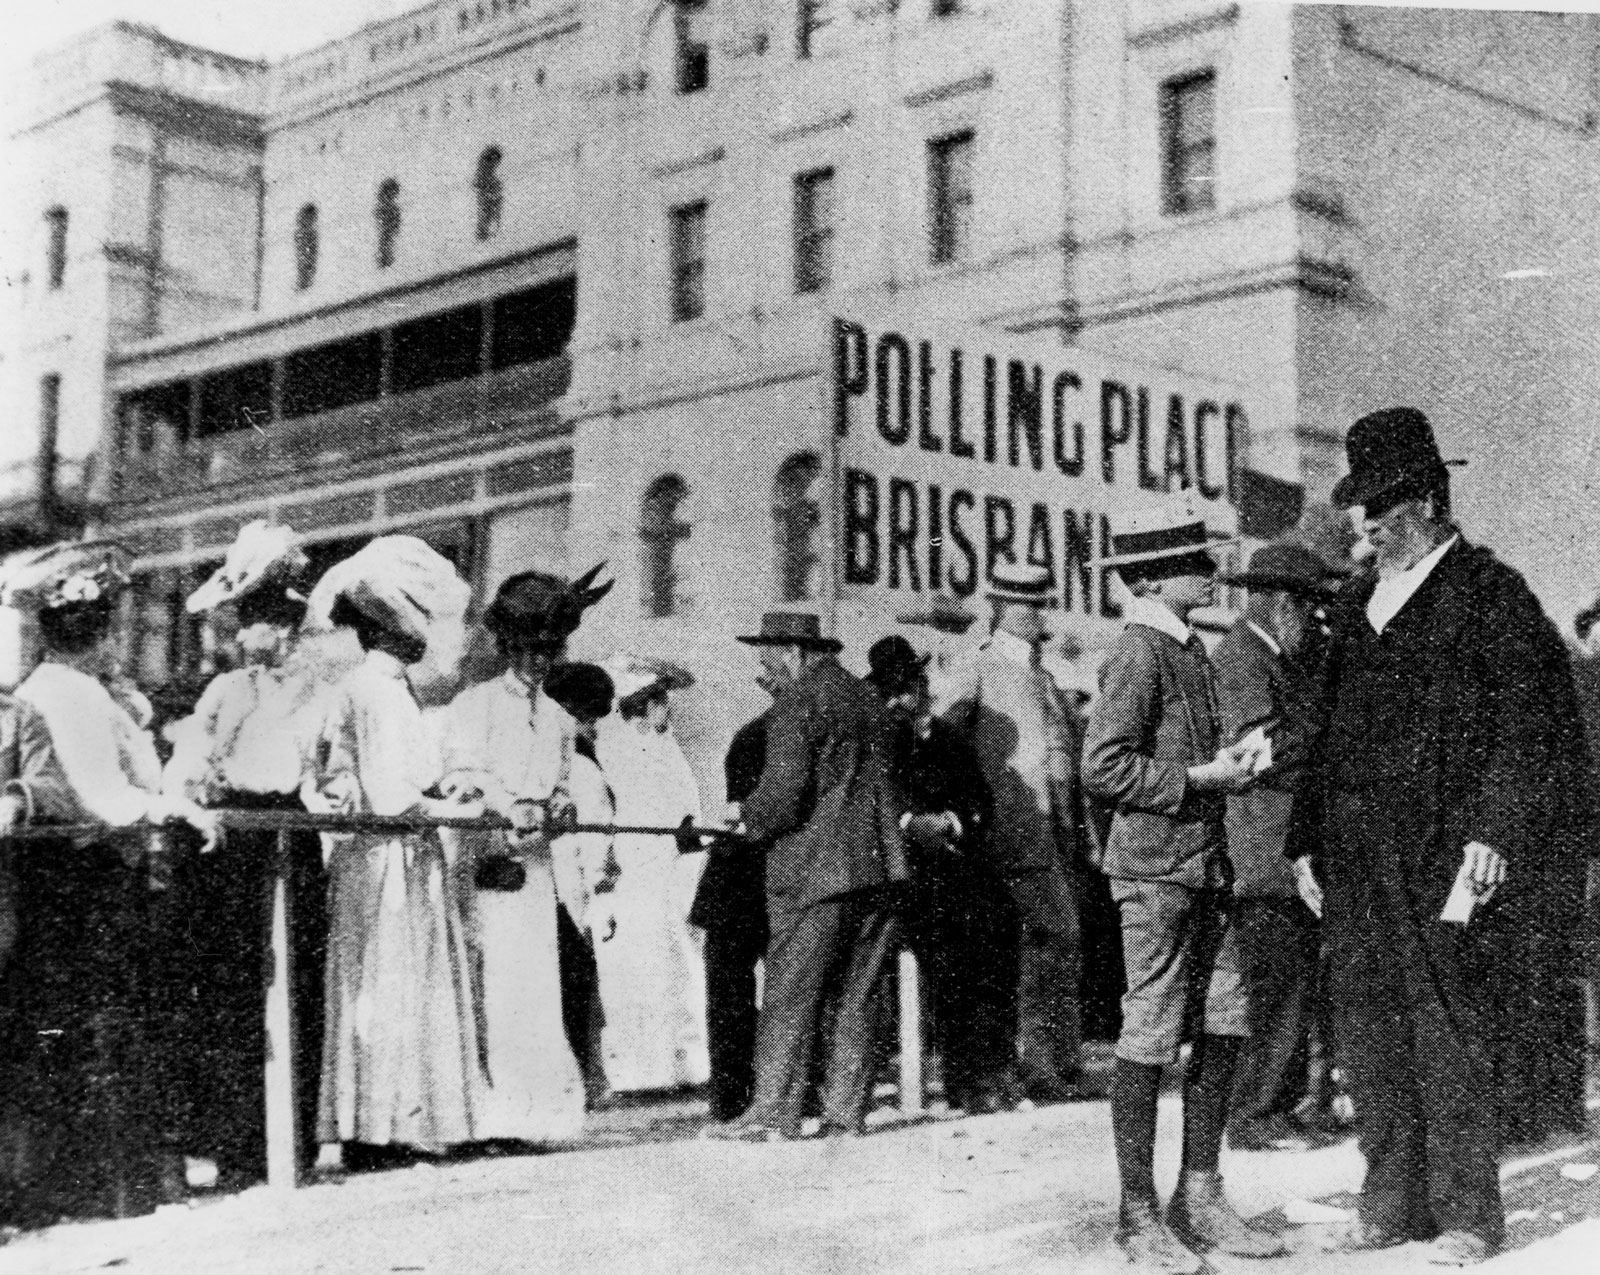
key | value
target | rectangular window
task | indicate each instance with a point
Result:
(532, 326)
(439, 348)
(812, 19)
(328, 377)
(691, 45)
(56, 250)
(813, 230)
(239, 398)
(950, 165)
(688, 248)
(1188, 144)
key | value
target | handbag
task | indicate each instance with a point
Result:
(502, 873)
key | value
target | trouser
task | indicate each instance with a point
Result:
(1048, 1020)
(1278, 945)
(959, 921)
(1408, 991)
(581, 1015)
(731, 953)
(821, 1002)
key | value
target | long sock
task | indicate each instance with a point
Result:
(1133, 1126)
(1207, 1082)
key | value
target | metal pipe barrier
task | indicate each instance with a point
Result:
(282, 1021)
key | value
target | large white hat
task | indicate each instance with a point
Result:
(262, 550)
(634, 674)
(73, 571)
(405, 585)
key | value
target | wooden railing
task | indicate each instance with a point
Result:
(282, 1021)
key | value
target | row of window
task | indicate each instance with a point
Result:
(691, 34)
(797, 536)
(950, 219)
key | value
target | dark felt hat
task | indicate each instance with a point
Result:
(584, 690)
(1386, 450)
(538, 609)
(792, 628)
(895, 664)
(1287, 568)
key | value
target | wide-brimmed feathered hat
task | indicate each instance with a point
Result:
(72, 573)
(263, 574)
(538, 609)
(406, 586)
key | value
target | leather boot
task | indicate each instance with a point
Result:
(1202, 1218)
(1149, 1244)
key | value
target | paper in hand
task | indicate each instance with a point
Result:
(1255, 749)
(1463, 898)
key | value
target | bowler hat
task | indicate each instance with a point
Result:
(792, 628)
(1386, 450)
(1286, 568)
(895, 664)
(537, 609)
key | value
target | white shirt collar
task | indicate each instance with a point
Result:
(1155, 616)
(383, 663)
(1011, 648)
(1391, 593)
(1271, 642)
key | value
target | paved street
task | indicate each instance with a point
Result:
(1021, 1193)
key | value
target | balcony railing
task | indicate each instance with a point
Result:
(282, 1014)
(392, 425)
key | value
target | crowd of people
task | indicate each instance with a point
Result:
(1355, 833)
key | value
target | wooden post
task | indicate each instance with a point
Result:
(910, 1033)
(282, 1149)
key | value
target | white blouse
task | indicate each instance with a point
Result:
(376, 733)
(513, 745)
(109, 761)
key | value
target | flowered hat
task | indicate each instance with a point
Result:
(72, 573)
(639, 674)
(262, 573)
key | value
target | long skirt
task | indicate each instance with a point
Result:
(400, 1052)
(535, 1090)
(228, 931)
(92, 1100)
(652, 974)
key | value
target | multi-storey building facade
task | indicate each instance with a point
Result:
(549, 283)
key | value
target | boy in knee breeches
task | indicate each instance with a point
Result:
(1154, 754)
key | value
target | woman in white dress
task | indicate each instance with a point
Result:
(652, 981)
(400, 1056)
(508, 744)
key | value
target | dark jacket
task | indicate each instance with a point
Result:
(1156, 717)
(940, 772)
(1256, 686)
(732, 890)
(1472, 712)
(827, 803)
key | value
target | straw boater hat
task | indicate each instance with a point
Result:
(1386, 450)
(895, 665)
(792, 628)
(1020, 582)
(1163, 531)
(943, 613)
(404, 585)
(538, 609)
(72, 573)
(263, 574)
(1286, 567)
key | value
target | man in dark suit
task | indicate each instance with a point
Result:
(827, 810)
(730, 905)
(1266, 681)
(957, 913)
(1452, 782)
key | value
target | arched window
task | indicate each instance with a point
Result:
(797, 528)
(55, 221)
(386, 212)
(491, 194)
(305, 247)
(662, 531)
